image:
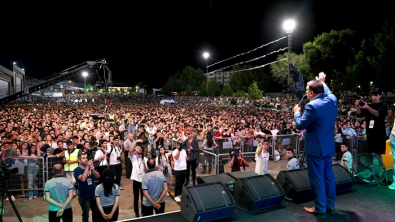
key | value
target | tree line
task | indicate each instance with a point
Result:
(352, 63)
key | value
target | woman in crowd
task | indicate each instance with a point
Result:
(32, 169)
(209, 145)
(107, 197)
(163, 164)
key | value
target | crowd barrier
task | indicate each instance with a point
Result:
(30, 177)
(216, 160)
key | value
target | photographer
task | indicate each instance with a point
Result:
(374, 114)
(237, 162)
(114, 151)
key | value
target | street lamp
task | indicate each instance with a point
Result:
(205, 56)
(84, 74)
(289, 25)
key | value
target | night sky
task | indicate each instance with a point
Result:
(150, 40)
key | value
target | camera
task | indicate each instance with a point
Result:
(236, 151)
(361, 103)
(89, 153)
(119, 159)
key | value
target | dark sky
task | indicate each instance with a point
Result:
(150, 40)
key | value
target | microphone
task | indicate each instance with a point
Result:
(303, 99)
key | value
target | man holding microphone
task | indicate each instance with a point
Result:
(318, 119)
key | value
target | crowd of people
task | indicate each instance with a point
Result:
(91, 142)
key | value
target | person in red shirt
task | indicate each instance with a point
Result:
(238, 163)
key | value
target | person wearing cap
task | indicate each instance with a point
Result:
(261, 156)
(70, 161)
(375, 114)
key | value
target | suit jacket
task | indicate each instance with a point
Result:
(318, 119)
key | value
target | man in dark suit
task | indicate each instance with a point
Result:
(318, 119)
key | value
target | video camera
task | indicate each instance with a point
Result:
(90, 152)
(236, 151)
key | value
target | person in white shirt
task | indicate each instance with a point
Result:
(180, 170)
(139, 170)
(293, 163)
(346, 160)
(114, 151)
(262, 157)
(101, 157)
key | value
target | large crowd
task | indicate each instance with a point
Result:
(122, 126)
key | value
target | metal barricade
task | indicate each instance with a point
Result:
(206, 158)
(223, 158)
(51, 161)
(282, 142)
(30, 176)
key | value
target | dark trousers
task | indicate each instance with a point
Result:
(85, 204)
(146, 211)
(117, 169)
(322, 181)
(338, 151)
(191, 166)
(128, 165)
(100, 170)
(67, 216)
(108, 210)
(180, 180)
(137, 194)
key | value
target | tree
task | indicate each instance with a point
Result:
(333, 53)
(190, 77)
(240, 93)
(213, 88)
(241, 80)
(254, 92)
(170, 86)
(280, 70)
(383, 56)
(227, 90)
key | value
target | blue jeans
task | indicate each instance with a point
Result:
(32, 180)
(85, 204)
(392, 143)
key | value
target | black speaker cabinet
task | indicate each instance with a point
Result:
(242, 174)
(224, 178)
(344, 179)
(206, 202)
(296, 183)
(257, 192)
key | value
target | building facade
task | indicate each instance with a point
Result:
(222, 77)
(11, 81)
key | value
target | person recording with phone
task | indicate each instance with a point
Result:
(180, 169)
(237, 162)
(375, 114)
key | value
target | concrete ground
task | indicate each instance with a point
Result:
(37, 209)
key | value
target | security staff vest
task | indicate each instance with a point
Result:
(71, 156)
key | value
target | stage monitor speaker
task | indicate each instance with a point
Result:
(206, 202)
(344, 179)
(224, 178)
(257, 193)
(242, 174)
(296, 183)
